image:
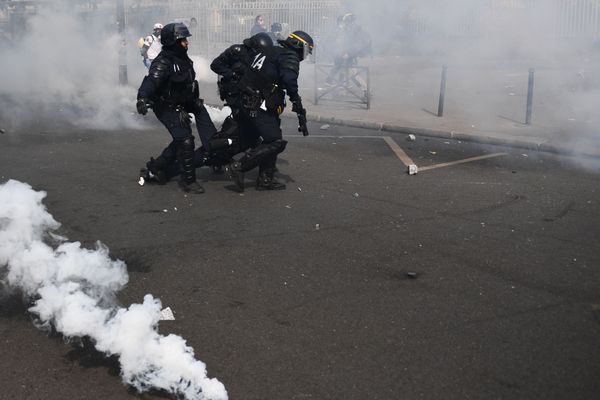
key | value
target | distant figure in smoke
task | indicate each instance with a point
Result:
(276, 32)
(259, 25)
(352, 42)
(171, 90)
(151, 46)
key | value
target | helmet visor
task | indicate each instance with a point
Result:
(307, 48)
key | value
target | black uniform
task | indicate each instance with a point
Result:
(171, 89)
(271, 71)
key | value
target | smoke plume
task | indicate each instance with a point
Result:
(63, 67)
(73, 290)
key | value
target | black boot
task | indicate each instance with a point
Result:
(155, 171)
(236, 175)
(266, 180)
(192, 187)
(185, 156)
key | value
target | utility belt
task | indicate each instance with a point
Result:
(256, 89)
(227, 88)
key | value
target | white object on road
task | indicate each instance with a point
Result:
(412, 169)
(166, 314)
(412, 137)
(324, 127)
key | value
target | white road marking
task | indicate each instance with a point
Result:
(466, 160)
(406, 160)
(398, 151)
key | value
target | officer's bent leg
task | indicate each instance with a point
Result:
(205, 126)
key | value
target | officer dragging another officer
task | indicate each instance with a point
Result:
(270, 72)
(171, 90)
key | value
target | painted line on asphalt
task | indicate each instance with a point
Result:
(398, 151)
(406, 160)
(466, 160)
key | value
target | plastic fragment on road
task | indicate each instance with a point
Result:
(325, 127)
(142, 181)
(412, 169)
(412, 275)
(411, 138)
(166, 314)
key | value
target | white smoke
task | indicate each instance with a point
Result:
(64, 67)
(74, 289)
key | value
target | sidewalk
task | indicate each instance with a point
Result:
(484, 103)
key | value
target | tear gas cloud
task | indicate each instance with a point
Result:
(74, 291)
(64, 67)
(489, 46)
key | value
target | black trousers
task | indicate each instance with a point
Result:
(258, 133)
(180, 130)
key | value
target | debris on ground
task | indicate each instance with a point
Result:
(167, 314)
(412, 275)
(317, 227)
(2, 131)
(356, 195)
(325, 127)
(411, 138)
(432, 152)
(142, 181)
(412, 169)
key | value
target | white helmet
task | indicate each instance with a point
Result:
(158, 25)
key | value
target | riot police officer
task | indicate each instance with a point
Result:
(271, 71)
(231, 64)
(171, 90)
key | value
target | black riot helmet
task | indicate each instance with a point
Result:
(301, 42)
(172, 32)
(262, 39)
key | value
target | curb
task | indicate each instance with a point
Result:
(542, 146)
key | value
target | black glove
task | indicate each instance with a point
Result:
(142, 105)
(184, 117)
(301, 112)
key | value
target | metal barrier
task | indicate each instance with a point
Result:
(221, 23)
(347, 83)
(545, 18)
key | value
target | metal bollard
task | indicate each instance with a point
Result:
(529, 97)
(123, 48)
(442, 91)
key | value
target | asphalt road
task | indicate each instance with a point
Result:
(474, 281)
